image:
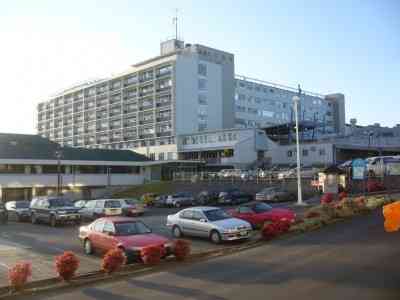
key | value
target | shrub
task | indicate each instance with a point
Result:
(327, 198)
(342, 195)
(374, 186)
(18, 275)
(66, 265)
(271, 230)
(151, 255)
(312, 214)
(182, 249)
(113, 260)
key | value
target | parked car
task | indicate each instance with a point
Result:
(248, 175)
(180, 199)
(305, 172)
(95, 209)
(257, 213)
(275, 194)
(80, 203)
(209, 222)
(53, 210)
(18, 210)
(128, 234)
(132, 207)
(207, 197)
(3, 214)
(161, 201)
(234, 196)
(149, 198)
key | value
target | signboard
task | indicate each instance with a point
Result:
(359, 166)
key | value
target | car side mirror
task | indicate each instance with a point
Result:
(203, 220)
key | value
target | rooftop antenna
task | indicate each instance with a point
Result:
(175, 21)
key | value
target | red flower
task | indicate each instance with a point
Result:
(327, 198)
(19, 274)
(66, 265)
(152, 254)
(271, 230)
(182, 249)
(342, 195)
(113, 260)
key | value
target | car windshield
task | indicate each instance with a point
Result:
(112, 204)
(22, 204)
(131, 201)
(60, 202)
(131, 228)
(216, 215)
(261, 207)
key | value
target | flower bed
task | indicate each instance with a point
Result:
(391, 212)
(18, 275)
(66, 265)
(182, 249)
(152, 255)
(113, 260)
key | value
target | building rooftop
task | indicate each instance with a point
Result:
(29, 146)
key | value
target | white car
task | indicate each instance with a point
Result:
(208, 222)
(180, 199)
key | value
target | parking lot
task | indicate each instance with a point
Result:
(40, 243)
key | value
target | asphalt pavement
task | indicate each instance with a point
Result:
(354, 259)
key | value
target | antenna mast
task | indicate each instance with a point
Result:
(175, 21)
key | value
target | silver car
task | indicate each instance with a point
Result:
(209, 222)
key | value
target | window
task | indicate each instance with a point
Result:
(108, 227)
(197, 216)
(202, 99)
(305, 152)
(187, 214)
(267, 113)
(161, 156)
(202, 127)
(322, 152)
(290, 153)
(202, 69)
(98, 226)
(202, 84)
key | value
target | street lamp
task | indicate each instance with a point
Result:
(58, 155)
(296, 100)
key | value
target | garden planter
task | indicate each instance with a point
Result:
(113, 261)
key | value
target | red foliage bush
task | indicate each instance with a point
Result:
(312, 214)
(18, 275)
(66, 265)
(342, 195)
(182, 249)
(151, 255)
(327, 198)
(274, 229)
(374, 186)
(113, 260)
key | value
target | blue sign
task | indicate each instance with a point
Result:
(359, 167)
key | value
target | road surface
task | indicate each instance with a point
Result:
(354, 259)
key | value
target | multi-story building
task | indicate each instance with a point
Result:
(260, 104)
(185, 90)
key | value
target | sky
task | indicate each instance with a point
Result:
(351, 47)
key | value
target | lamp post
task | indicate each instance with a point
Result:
(58, 155)
(296, 100)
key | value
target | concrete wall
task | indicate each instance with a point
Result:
(187, 94)
(79, 180)
(279, 154)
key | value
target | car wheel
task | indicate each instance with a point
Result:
(33, 219)
(177, 204)
(87, 245)
(53, 221)
(215, 237)
(176, 232)
(275, 199)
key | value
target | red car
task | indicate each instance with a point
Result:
(256, 213)
(129, 234)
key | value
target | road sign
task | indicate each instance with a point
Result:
(359, 167)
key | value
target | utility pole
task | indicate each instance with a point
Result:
(296, 101)
(58, 155)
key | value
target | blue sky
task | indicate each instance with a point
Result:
(351, 47)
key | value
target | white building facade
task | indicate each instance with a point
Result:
(187, 89)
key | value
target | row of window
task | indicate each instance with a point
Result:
(130, 145)
(210, 138)
(305, 152)
(76, 169)
(112, 85)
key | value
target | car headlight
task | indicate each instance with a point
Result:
(61, 212)
(168, 245)
(229, 230)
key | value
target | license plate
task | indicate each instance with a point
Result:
(71, 217)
